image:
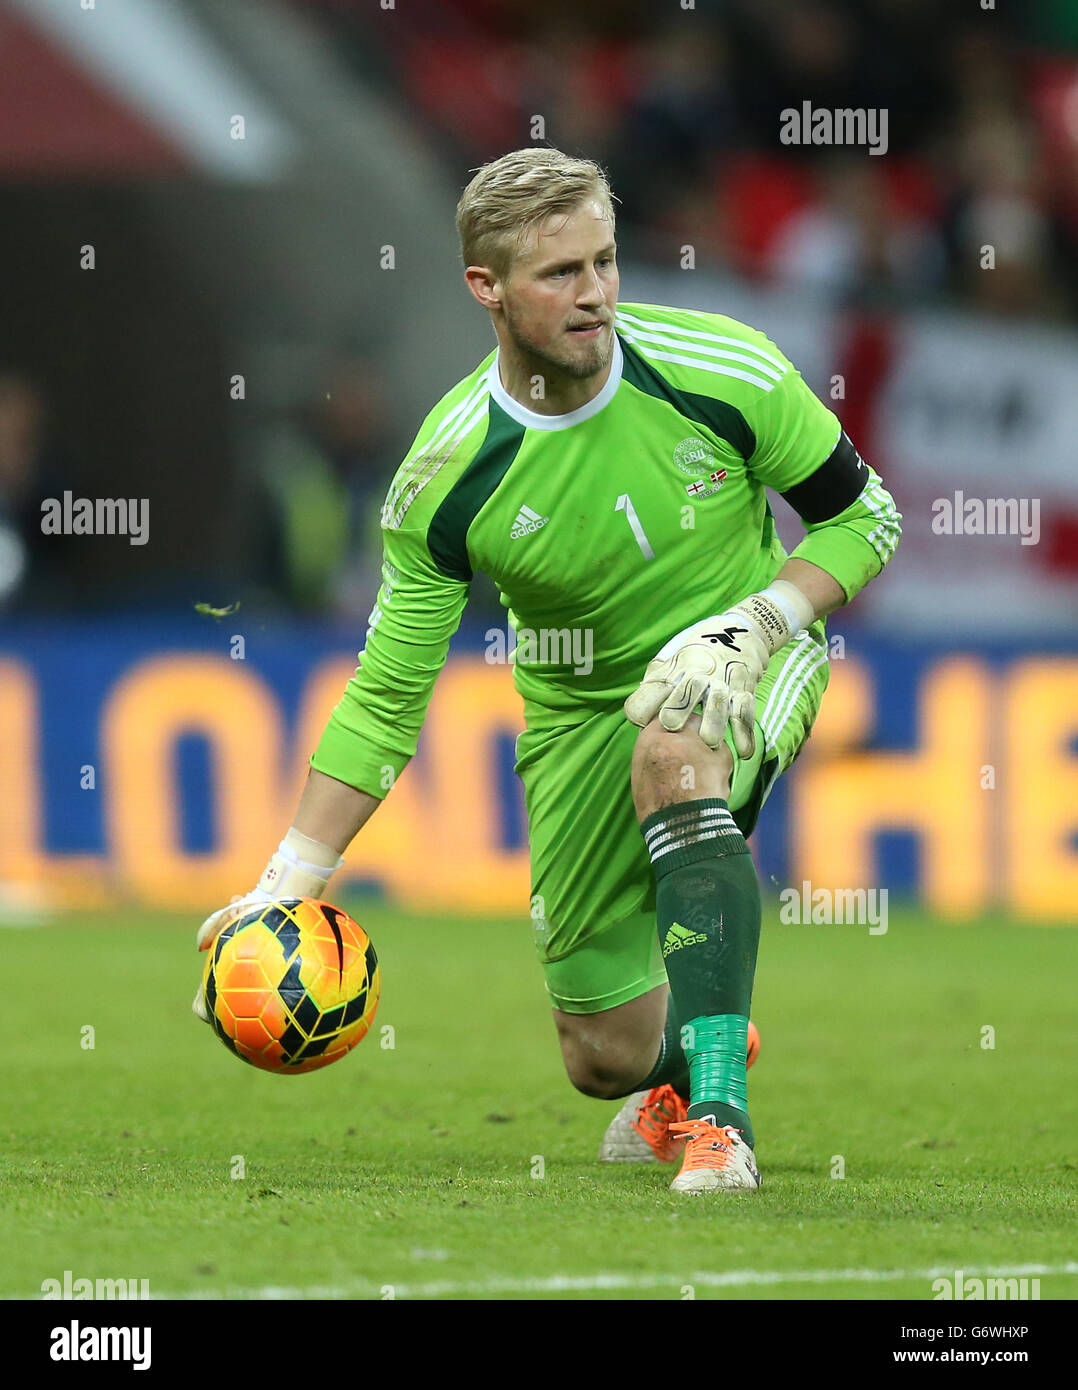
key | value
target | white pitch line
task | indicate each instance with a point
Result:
(586, 1283)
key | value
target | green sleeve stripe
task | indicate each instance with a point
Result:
(720, 417)
(447, 535)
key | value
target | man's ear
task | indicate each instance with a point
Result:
(484, 286)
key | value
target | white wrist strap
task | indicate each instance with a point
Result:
(791, 602)
(301, 868)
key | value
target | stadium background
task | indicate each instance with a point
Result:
(274, 302)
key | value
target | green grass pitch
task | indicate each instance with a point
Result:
(460, 1164)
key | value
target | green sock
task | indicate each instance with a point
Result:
(671, 1066)
(708, 915)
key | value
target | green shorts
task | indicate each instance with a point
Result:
(593, 891)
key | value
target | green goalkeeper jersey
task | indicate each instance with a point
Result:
(607, 529)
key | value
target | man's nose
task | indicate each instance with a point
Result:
(591, 289)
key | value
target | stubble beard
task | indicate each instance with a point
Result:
(578, 365)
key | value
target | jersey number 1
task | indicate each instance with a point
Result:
(625, 504)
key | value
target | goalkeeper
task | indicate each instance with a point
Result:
(607, 466)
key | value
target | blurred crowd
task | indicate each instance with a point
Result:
(32, 466)
(682, 105)
(318, 475)
(315, 476)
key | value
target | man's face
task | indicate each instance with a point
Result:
(559, 297)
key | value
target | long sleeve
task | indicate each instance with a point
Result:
(376, 723)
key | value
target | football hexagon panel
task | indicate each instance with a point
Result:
(292, 986)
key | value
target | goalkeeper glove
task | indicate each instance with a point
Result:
(301, 868)
(716, 665)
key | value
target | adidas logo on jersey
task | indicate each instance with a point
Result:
(678, 937)
(527, 521)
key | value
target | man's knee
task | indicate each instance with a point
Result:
(606, 1062)
(592, 1077)
(671, 767)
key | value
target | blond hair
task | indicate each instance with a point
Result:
(512, 194)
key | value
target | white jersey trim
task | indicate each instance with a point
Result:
(532, 420)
